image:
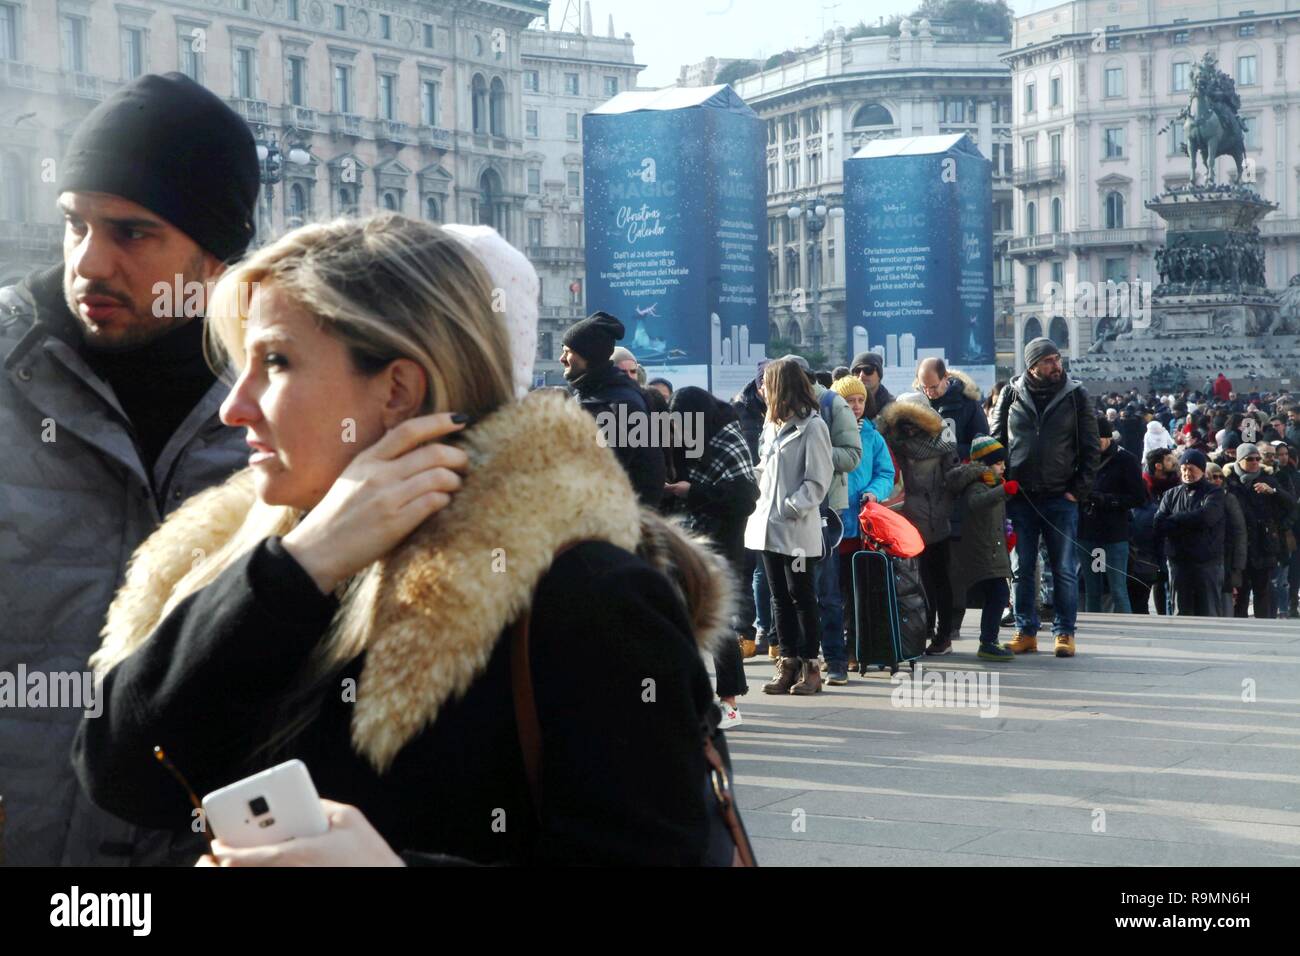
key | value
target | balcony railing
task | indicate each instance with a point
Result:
(560, 312)
(556, 253)
(1280, 227)
(84, 85)
(347, 124)
(435, 136)
(1024, 176)
(253, 111)
(393, 131)
(300, 117)
(1138, 235)
(14, 73)
(1043, 242)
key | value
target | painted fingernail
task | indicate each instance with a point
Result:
(461, 418)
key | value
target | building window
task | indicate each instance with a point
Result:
(571, 84)
(1113, 142)
(295, 69)
(1114, 43)
(72, 32)
(954, 110)
(431, 211)
(497, 108)
(1246, 70)
(873, 114)
(534, 230)
(1246, 30)
(8, 32)
(1116, 270)
(387, 96)
(342, 88)
(531, 81)
(245, 88)
(575, 183)
(1114, 81)
(1054, 92)
(385, 27)
(534, 182)
(347, 201)
(1251, 123)
(428, 36)
(1031, 151)
(1031, 283)
(1056, 214)
(243, 5)
(340, 17)
(1177, 137)
(1181, 37)
(429, 102)
(190, 63)
(771, 178)
(571, 125)
(479, 103)
(791, 121)
(792, 174)
(297, 204)
(1054, 148)
(292, 11)
(530, 122)
(814, 169)
(611, 86)
(1114, 211)
(390, 202)
(1029, 98)
(132, 53)
(13, 188)
(1058, 272)
(1181, 78)
(1031, 219)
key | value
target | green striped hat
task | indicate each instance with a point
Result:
(987, 450)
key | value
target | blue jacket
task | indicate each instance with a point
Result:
(874, 475)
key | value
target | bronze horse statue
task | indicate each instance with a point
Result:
(1208, 137)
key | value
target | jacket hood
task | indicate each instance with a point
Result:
(957, 382)
(900, 419)
(430, 613)
(963, 475)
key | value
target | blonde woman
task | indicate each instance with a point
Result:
(348, 599)
(794, 474)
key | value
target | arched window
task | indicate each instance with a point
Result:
(297, 204)
(873, 114)
(431, 211)
(1114, 211)
(479, 103)
(1031, 219)
(1056, 215)
(773, 332)
(1033, 329)
(1060, 333)
(795, 336)
(390, 201)
(13, 188)
(347, 201)
(497, 108)
(491, 210)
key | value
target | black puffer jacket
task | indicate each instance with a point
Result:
(1265, 514)
(1050, 451)
(1104, 516)
(1190, 522)
(751, 412)
(914, 434)
(602, 390)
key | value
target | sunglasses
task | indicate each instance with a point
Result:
(1252, 458)
(163, 759)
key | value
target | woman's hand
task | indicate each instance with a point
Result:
(871, 497)
(350, 841)
(679, 488)
(384, 494)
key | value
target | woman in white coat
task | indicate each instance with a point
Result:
(794, 475)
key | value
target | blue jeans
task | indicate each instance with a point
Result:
(1115, 574)
(762, 598)
(1058, 527)
(826, 577)
(1281, 587)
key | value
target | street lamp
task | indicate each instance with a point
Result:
(270, 161)
(815, 212)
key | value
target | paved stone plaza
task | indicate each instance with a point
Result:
(1147, 724)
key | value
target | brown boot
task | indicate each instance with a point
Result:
(811, 682)
(787, 672)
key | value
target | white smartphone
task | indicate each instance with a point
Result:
(269, 807)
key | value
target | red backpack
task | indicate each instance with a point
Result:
(888, 531)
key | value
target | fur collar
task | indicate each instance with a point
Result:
(900, 420)
(968, 387)
(430, 613)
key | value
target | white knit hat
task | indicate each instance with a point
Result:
(516, 279)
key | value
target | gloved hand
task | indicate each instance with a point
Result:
(1011, 487)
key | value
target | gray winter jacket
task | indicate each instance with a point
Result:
(75, 502)
(846, 448)
(794, 473)
(914, 433)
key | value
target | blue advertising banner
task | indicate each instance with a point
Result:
(919, 267)
(676, 209)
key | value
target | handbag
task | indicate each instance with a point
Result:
(728, 843)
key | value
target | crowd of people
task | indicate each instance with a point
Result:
(323, 518)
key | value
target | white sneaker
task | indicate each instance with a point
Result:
(730, 716)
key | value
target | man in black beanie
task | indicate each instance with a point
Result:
(616, 402)
(109, 418)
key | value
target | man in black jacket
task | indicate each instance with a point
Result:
(615, 401)
(1267, 506)
(1189, 522)
(957, 400)
(870, 369)
(1104, 522)
(1045, 421)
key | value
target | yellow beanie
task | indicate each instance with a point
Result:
(849, 385)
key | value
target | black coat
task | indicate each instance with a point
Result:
(751, 411)
(1132, 432)
(1104, 514)
(960, 407)
(1052, 450)
(1265, 514)
(603, 391)
(1190, 523)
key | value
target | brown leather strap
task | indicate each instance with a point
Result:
(526, 719)
(744, 855)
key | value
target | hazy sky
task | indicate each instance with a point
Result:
(670, 33)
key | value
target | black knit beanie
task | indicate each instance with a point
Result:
(178, 150)
(593, 338)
